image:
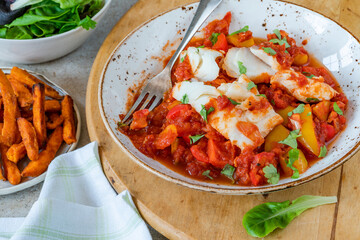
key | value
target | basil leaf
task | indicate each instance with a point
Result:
(185, 99)
(280, 42)
(323, 151)
(207, 174)
(244, 29)
(228, 171)
(337, 109)
(204, 113)
(269, 51)
(293, 156)
(261, 95)
(265, 218)
(234, 102)
(251, 85)
(312, 100)
(298, 109)
(214, 38)
(291, 139)
(277, 33)
(242, 68)
(271, 174)
(195, 138)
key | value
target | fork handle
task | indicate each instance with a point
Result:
(205, 8)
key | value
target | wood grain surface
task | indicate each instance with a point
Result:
(181, 213)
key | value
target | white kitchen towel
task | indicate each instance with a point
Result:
(77, 202)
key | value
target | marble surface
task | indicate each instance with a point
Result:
(71, 73)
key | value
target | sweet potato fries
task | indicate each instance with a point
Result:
(34, 121)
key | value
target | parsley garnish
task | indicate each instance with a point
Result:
(204, 113)
(242, 68)
(185, 99)
(298, 109)
(277, 33)
(261, 95)
(244, 29)
(201, 46)
(337, 109)
(207, 174)
(280, 42)
(293, 156)
(228, 171)
(214, 38)
(183, 58)
(121, 124)
(271, 174)
(269, 51)
(308, 114)
(323, 151)
(311, 76)
(312, 99)
(234, 102)
(195, 138)
(291, 139)
(251, 85)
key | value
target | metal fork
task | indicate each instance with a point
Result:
(153, 92)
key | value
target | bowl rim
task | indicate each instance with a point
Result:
(218, 189)
(95, 17)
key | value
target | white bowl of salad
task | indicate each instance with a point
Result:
(36, 31)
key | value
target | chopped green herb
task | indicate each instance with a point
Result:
(280, 42)
(271, 174)
(214, 38)
(311, 76)
(323, 151)
(277, 33)
(121, 124)
(272, 101)
(293, 156)
(244, 29)
(183, 58)
(201, 46)
(185, 99)
(251, 85)
(265, 218)
(207, 174)
(291, 139)
(312, 100)
(195, 138)
(261, 95)
(287, 51)
(228, 171)
(298, 109)
(269, 51)
(204, 113)
(337, 109)
(308, 114)
(234, 102)
(242, 68)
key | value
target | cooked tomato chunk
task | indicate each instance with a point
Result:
(139, 119)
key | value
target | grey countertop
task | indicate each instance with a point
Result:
(71, 73)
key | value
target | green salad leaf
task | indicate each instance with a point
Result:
(46, 18)
(266, 217)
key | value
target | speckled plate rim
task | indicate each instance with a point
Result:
(218, 189)
(39, 179)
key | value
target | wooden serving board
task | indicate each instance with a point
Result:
(181, 213)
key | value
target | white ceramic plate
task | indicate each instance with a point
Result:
(6, 187)
(133, 60)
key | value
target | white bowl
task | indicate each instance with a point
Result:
(31, 51)
(133, 60)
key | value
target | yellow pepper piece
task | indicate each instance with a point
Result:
(284, 113)
(234, 40)
(301, 59)
(278, 134)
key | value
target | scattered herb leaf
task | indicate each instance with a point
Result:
(308, 114)
(228, 171)
(244, 29)
(337, 109)
(234, 102)
(272, 101)
(201, 46)
(214, 38)
(261, 95)
(277, 33)
(280, 42)
(269, 51)
(251, 85)
(207, 174)
(298, 109)
(183, 58)
(242, 68)
(323, 151)
(311, 76)
(204, 113)
(195, 138)
(121, 124)
(312, 100)
(293, 156)
(271, 174)
(265, 218)
(185, 99)
(291, 139)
